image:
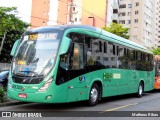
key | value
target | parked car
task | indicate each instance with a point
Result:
(4, 78)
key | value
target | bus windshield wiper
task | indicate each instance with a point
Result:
(18, 74)
(27, 73)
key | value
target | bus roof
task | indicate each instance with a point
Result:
(115, 38)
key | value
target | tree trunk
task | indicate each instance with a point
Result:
(4, 37)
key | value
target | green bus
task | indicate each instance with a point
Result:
(58, 64)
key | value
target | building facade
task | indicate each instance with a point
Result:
(39, 13)
(112, 11)
(138, 16)
(157, 23)
(48, 12)
(86, 12)
(94, 13)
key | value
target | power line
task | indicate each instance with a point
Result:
(40, 18)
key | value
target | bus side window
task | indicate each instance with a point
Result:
(105, 47)
(90, 59)
(100, 46)
(64, 62)
(120, 56)
(76, 61)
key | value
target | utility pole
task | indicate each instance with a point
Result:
(71, 12)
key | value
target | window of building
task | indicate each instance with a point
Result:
(135, 20)
(123, 14)
(73, 9)
(43, 22)
(122, 21)
(137, 3)
(128, 21)
(122, 6)
(136, 12)
(129, 13)
(115, 11)
(115, 21)
(129, 5)
(75, 19)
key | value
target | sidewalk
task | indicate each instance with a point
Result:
(13, 102)
(9, 102)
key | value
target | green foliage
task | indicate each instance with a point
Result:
(156, 51)
(12, 28)
(2, 95)
(118, 30)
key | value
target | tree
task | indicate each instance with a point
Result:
(11, 29)
(156, 51)
(117, 29)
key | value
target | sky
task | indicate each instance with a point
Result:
(23, 6)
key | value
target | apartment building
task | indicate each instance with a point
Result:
(86, 12)
(48, 12)
(138, 16)
(97, 13)
(157, 23)
(112, 11)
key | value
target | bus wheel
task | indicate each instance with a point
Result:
(140, 90)
(94, 95)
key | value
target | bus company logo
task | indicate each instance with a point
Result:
(107, 76)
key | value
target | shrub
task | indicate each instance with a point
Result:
(2, 95)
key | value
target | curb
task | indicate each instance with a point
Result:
(12, 103)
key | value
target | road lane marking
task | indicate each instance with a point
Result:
(119, 107)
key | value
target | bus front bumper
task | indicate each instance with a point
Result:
(41, 97)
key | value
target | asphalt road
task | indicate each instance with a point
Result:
(124, 107)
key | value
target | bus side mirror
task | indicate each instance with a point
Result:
(14, 47)
(65, 44)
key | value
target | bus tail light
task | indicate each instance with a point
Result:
(46, 85)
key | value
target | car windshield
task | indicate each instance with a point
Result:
(36, 54)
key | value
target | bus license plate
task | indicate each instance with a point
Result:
(21, 95)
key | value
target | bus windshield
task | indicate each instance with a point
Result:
(36, 54)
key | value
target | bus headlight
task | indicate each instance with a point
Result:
(46, 85)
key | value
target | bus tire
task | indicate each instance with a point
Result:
(94, 95)
(140, 90)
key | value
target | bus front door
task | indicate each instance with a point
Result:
(77, 89)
